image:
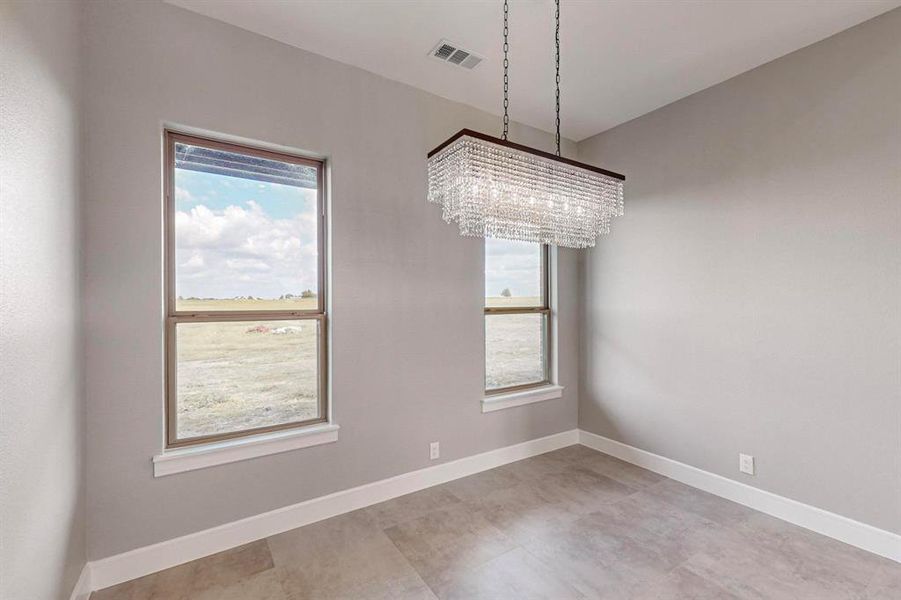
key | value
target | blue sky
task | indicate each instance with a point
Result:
(217, 192)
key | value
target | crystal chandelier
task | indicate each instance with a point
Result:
(492, 187)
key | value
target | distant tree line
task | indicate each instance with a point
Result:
(304, 294)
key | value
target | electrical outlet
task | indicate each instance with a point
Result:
(434, 451)
(746, 463)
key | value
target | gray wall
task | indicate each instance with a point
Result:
(42, 514)
(750, 299)
(407, 289)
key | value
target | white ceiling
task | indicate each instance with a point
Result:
(620, 58)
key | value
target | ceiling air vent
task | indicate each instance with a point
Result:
(449, 52)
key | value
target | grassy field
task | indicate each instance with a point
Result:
(513, 345)
(242, 374)
(201, 305)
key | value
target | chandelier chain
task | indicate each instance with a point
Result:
(557, 66)
(506, 77)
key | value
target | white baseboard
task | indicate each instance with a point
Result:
(869, 538)
(82, 589)
(150, 559)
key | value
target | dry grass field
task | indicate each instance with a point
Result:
(513, 344)
(240, 374)
(202, 305)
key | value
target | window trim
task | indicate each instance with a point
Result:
(212, 454)
(173, 316)
(545, 309)
(513, 399)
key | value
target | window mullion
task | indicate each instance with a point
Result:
(515, 310)
(214, 317)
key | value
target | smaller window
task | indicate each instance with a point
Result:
(517, 316)
(246, 318)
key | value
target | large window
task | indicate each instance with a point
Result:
(517, 316)
(246, 311)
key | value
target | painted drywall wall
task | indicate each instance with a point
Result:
(42, 501)
(407, 290)
(750, 299)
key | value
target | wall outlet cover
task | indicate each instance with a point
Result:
(746, 463)
(434, 451)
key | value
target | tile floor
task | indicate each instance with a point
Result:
(573, 523)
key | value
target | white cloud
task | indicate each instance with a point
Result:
(242, 251)
(512, 265)
(195, 262)
(248, 264)
(182, 195)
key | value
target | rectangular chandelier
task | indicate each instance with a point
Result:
(494, 188)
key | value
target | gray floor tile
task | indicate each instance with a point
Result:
(763, 557)
(885, 583)
(682, 584)
(515, 574)
(442, 544)
(344, 557)
(695, 501)
(596, 562)
(412, 506)
(191, 580)
(614, 468)
(262, 586)
(533, 469)
(527, 510)
(174, 584)
(584, 490)
(667, 535)
(475, 487)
